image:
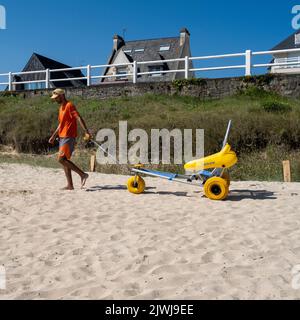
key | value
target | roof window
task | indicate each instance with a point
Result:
(164, 48)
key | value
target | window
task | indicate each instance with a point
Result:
(35, 86)
(122, 71)
(164, 48)
(155, 68)
(139, 50)
(297, 39)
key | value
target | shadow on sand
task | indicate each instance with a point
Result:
(235, 195)
(147, 192)
(168, 193)
(103, 188)
(238, 195)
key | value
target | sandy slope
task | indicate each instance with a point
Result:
(170, 243)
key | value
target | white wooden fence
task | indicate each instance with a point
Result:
(248, 65)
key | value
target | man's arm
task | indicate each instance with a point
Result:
(53, 137)
(76, 114)
(83, 125)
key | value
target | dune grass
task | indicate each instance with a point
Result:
(265, 127)
(256, 166)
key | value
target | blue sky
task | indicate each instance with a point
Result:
(80, 32)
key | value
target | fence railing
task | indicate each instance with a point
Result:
(292, 62)
(132, 72)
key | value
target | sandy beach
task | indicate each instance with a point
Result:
(169, 243)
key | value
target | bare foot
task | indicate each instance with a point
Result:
(83, 180)
(67, 189)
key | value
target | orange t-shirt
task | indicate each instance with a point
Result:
(67, 118)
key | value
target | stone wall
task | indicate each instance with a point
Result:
(285, 85)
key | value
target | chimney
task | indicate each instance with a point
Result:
(184, 36)
(118, 42)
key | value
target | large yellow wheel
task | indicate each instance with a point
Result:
(226, 177)
(136, 185)
(216, 188)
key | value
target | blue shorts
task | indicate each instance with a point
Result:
(66, 147)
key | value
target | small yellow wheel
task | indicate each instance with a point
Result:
(216, 188)
(136, 185)
(226, 177)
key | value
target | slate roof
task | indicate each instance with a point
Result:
(152, 48)
(49, 63)
(288, 43)
(39, 62)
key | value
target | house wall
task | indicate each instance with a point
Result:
(119, 59)
(285, 85)
(286, 70)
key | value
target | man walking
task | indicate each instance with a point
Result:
(67, 133)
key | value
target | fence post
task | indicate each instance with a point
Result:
(134, 72)
(248, 63)
(9, 81)
(88, 75)
(47, 78)
(287, 171)
(93, 163)
(187, 67)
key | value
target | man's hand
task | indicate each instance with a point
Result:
(88, 136)
(54, 135)
(52, 140)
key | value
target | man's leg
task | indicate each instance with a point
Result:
(68, 174)
(72, 167)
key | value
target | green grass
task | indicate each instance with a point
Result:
(258, 166)
(266, 165)
(32, 160)
(265, 127)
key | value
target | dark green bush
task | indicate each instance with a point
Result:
(276, 106)
(181, 83)
(260, 80)
(255, 92)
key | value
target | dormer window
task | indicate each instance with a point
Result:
(164, 48)
(127, 51)
(297, 39)
(139, 50)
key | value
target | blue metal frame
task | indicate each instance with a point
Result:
(202, 176)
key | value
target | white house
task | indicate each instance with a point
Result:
(292, 42)
(149, 50)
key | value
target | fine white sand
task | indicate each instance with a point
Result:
(169, 243)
